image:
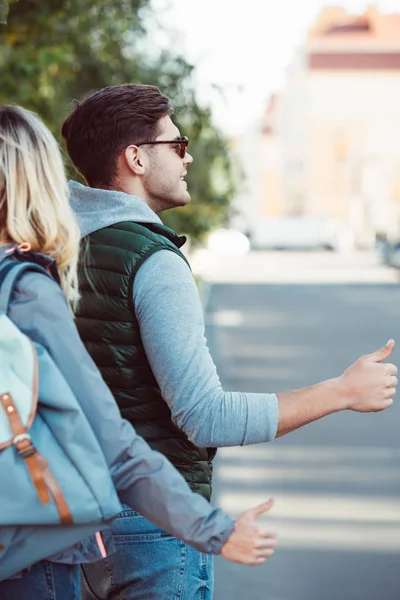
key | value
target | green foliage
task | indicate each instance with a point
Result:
(52, 52)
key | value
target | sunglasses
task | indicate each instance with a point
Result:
(180, 144)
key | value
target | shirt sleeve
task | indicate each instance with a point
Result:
(144, 479)
(170, 317)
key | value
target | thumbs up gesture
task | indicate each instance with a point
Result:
(369, 385)
(249, 543)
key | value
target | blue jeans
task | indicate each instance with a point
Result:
(44, 581)
(148, 564)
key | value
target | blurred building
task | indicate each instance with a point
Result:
(330, 142)
(339, 122)
(247, 205)
(271, 191)
(260, 154)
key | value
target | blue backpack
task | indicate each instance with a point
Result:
(56, 488)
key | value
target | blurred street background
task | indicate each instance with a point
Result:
(300, 319)
(292, 110)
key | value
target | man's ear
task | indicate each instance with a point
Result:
(135, 160)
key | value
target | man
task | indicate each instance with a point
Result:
(141, 320)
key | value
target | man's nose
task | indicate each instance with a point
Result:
(188, 159)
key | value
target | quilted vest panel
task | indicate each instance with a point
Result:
(108, 327)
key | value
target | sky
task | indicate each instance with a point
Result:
(242, 48)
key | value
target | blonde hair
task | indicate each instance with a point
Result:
(34, 204)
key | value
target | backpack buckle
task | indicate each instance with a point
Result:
(26, 450)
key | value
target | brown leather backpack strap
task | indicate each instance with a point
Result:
(26, 450)
(37, 465)
(58, 496)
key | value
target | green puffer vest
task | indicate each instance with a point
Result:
(108, 327)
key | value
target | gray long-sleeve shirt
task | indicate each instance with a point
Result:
(170, 318)
(144, 479)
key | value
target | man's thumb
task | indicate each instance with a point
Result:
(259, 510)
(382, 353)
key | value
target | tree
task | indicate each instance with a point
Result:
(52, 52)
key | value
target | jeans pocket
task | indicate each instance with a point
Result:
(147, 563)
(131, 526)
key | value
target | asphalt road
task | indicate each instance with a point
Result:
(336, 482)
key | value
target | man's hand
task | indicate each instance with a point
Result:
(249, 543)
(369, 385)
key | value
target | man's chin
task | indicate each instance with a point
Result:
(186, 199)
(183, 200)
(179, 202)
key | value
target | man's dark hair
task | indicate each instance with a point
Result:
(107, 121)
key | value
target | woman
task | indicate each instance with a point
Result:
(35, 217)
